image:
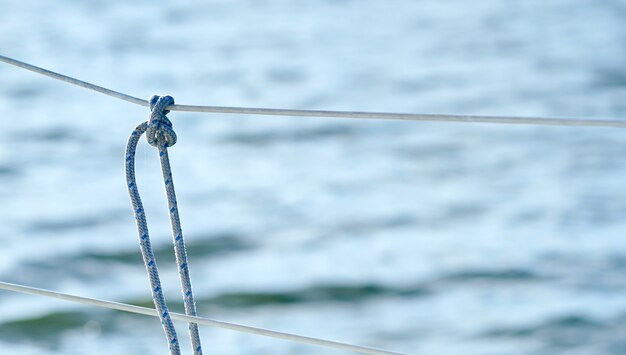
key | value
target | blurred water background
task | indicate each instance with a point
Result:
(427, 238)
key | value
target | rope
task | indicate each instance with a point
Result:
(553, 121)
(194, 319)
(160, 134)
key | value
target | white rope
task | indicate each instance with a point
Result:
(198, 320)
(67, 79)
(338, 114)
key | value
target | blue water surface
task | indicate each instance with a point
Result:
(424, 238)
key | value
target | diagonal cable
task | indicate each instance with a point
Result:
(330, 344)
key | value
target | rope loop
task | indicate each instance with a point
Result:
(160, 132)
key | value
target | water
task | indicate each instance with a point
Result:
(427, 238)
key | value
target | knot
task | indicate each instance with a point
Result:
(159, 132)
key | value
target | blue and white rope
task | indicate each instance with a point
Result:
(160, 134)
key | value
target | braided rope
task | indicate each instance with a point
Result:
(160, 134)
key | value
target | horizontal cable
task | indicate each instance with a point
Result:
(324, 113)
(199, 320)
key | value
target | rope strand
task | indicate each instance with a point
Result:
(144, 242)
(199, 320)
(552, 121)
(161, 135)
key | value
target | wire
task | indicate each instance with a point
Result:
(322, 113)
(67, 79)
(192, 319)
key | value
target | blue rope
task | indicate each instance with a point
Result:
(160, 134)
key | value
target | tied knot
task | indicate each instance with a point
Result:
(159, 132)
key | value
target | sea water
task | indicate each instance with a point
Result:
(424, 238)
